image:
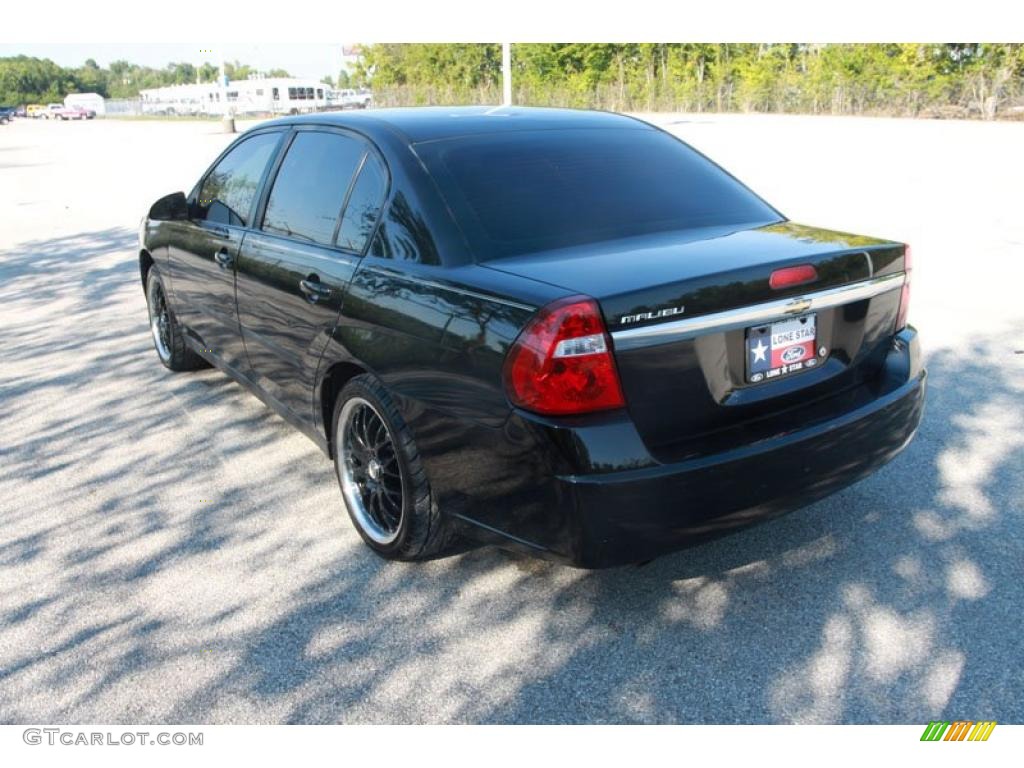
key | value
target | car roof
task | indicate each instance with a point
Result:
(419, 124)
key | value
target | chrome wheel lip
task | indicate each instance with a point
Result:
(159, 320)
(358, 498)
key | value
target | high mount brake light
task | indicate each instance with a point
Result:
(787, 277)
(901, 317)
(562, 364)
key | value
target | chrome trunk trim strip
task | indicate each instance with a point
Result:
(756, 314)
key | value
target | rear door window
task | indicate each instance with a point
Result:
(311, 185)
(229, 190)
(363, 207)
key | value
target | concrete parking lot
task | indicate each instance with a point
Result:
(171, 551)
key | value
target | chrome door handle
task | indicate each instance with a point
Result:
(314, 289)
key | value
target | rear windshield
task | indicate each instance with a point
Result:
(529, 191)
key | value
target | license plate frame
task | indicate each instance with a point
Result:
(781, 348)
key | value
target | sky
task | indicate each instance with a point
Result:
(301, 60)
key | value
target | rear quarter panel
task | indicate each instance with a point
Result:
(439, 349)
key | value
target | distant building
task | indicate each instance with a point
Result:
(92, 101)
(279, 95)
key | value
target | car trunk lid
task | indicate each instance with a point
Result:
(710, 354)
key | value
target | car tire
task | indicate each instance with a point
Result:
(167, 335)
(375, 457)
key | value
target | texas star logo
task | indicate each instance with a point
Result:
(759, 351)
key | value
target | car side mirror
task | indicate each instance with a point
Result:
(171, 207)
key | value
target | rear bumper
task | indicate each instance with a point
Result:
(599, 518)
(633, 516)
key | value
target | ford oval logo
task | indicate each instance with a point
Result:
(793, 354)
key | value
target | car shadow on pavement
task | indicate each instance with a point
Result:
(171, 551)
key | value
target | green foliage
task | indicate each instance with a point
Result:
(208, 73)
(912, 79)
(24, 79)
(28, 80)
(125, 80)
(954, 79)
(432, 72)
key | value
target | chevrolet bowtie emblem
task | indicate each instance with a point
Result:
(796, 306)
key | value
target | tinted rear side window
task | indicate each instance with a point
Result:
(311, 185)
(229, 190)
(535, 190)
(363, 207)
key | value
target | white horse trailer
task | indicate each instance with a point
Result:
(279, 95)
(290, 96)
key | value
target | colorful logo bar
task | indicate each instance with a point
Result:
(959, 730)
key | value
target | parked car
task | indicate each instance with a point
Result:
(350, 98)
(61, 112)
(561, 331)
(6, 115)
(35, 110)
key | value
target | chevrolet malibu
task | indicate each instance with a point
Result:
(560, 331)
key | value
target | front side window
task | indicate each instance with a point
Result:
(311, 185)
(228, 192)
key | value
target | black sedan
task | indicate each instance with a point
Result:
(562, 331)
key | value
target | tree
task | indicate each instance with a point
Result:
(91, 79)
(898, 79)
(939, 79)
(233, 70)
(25, 79)
(181, 73)
(208, 72)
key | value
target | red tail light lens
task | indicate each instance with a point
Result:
(562, 361)
(901, 318)
(790, 276)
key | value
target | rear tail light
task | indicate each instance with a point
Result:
(901, 317)
(790, 276)
(562, 361)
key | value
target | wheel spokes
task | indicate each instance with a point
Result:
(160, 321)
(374, 472)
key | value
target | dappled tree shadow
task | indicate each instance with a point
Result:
(171, 551)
